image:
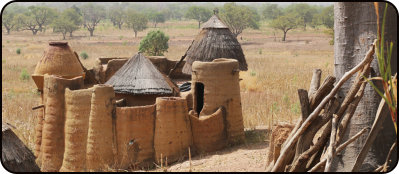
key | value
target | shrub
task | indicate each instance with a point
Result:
(19, 51)
(84, 55)
(120, 37)
(154, 44)
(24, 75)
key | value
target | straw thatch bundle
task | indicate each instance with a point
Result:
(77, 106)
(15, 156)
(135, 135)
(214, 41)
(139, 76)
(211, 91)
(52, 146)
(100, 138)
(209, 132)
(172, 135)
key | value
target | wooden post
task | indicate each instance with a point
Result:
(331, 148)
(315, 83)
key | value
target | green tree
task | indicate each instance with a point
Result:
(72, 14)
(200, 14)
(117, 15)
(42, 15)
(285, 23)
(8, 20)
(303, 11)
(271, 11)
(25, 22)
(154, 44)
(156, 18)
(327, 17)
(136, 21)
(92, 15)
(239, 17)
(67, 22)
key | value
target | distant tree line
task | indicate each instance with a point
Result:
(138, 17)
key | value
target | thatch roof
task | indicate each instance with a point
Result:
(214, 41)
(139, 76)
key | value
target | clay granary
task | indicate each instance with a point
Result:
(83, 125)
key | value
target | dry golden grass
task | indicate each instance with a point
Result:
(269, 88)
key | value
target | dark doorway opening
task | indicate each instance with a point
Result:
(199, 95)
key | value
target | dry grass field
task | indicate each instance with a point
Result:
(268, 89)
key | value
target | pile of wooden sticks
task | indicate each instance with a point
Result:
(324, 120)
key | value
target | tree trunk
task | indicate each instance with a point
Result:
(70, 34)
(355, 29)
(155, 25)
(91, 32)
(8, 30)
(285, 33)
(135, 34)
(199, 24)
(63, 35)
(34, 32)
(120, 26)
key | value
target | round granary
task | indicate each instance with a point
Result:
(172, 135)
(77, 106)
(216, 84)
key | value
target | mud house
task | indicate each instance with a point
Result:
(140, 83)
(215, 40)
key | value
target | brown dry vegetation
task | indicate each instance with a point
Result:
(268, 89)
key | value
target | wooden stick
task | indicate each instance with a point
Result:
(317, 123)
(37, 107)
(304, 101)
(300, 164)
(181, 60)
(378, 169)
(298, 124)
(339, 149)
(189, 158)
(315, 82)
(382, 112)
(332, 143)
(324, 89)
(385, 168)
(279, 163)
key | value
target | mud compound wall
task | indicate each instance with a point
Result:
(209, 132)
(135, 136)
(77, 106)
(100, 141)
(172, 135)
(52, 145)
(216, 84)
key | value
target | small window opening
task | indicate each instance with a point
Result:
(199, 95)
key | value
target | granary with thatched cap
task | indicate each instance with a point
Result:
(139, 82)
(58, 59)
(214, 41)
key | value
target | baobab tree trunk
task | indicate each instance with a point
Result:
(355, 27)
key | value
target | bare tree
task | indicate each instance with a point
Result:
(355, 29)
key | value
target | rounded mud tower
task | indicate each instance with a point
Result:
(100, 140)
(209, 133)
(52, 145)
(77, 106)
(58, 59)
(172, 135)
(216, 84)
(135, 136)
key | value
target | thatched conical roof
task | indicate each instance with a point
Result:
(139, 76)
(214, 41)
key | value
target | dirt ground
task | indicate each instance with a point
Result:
(247, 157)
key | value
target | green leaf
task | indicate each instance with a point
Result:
(378, 91)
